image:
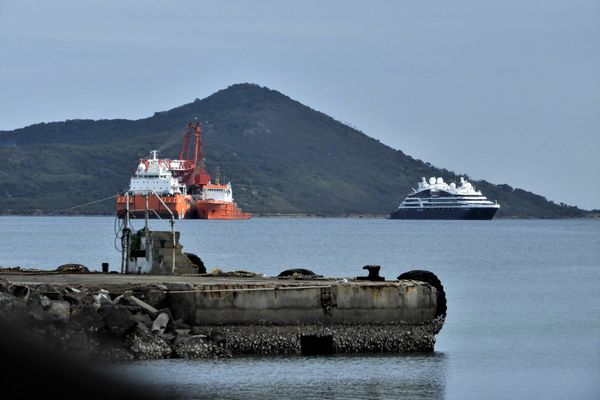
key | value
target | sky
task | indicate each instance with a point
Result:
(504, 91)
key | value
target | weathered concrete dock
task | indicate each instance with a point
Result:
(160, 316)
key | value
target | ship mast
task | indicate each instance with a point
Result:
(200, 177)
(198, 144)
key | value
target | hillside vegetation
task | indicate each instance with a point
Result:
(281, 157)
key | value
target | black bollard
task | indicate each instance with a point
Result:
(373, 274)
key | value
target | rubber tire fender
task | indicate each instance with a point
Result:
(433, 280)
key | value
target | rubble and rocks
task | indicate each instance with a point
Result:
(118, 319)
(12, 309)
(160, 323)
(144, 345)
(85, 319)
(198, 346)
(59, 309)
(92, 324)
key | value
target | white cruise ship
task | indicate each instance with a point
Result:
(437, 199)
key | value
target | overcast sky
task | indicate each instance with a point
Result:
(505, 91)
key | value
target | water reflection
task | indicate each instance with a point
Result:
(415, 376)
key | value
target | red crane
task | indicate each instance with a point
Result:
(193, 174)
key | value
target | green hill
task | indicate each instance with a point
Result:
(281, 157)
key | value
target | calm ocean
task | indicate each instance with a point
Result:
(523, 305)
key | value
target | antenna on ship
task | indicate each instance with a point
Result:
(218, 175)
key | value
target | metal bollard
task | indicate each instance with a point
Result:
(373, 274)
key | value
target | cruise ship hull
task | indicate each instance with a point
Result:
(479, 213)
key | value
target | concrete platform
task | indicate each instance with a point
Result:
(265, 315)
(234, 300)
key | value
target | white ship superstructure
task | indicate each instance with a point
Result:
(217, 192)
(154, 176)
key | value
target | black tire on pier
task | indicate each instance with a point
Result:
(299, 271)
(198, 263)
(429, 277)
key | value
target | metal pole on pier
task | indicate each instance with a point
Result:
(125, 237)
(146, 233)
(173, 235)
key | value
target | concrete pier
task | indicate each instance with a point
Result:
(228, 315)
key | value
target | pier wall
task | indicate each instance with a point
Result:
(405, 301)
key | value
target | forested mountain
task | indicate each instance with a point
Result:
(281, 157)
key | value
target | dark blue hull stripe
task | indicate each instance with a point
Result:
(444, 213)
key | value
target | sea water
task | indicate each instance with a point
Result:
(523, 307)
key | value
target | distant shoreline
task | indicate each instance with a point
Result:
(590, 215)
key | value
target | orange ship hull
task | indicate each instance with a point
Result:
(179, 205)
(206, 209)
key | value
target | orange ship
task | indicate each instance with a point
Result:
(216, 202)
(179, 188)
